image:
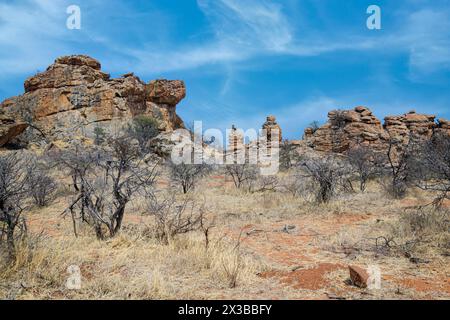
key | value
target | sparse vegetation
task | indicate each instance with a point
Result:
(174, 217)
(242, 174)
(187, 175)
(365, 163)
(100, 135)
(401, 165)
(289, 156)
(433, 170)
(326, 173)
(104, 190)
(185, 231)
(315, 125)
(14, 192)
(143, 129)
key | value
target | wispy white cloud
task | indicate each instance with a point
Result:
(427, 35)
(252, 24)
(33, 30)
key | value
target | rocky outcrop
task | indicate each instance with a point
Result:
(401, 128)
(347, 128)
(73, 97)
(10, 127)
(443, 126)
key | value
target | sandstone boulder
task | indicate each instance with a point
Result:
(165, 92)
(359, 276)
(73, 97)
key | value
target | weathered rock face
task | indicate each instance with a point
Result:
(360, 127)
(10, 127)
(73, 97)
(401, 127)
(345, 128)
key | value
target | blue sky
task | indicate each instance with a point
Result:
(245, 59)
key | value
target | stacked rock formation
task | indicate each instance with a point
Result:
(235, 141)
(73, 97)
(345, 128)
(348, 128)
(401, 127)
(272, 128)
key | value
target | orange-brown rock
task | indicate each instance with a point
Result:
(347, 128)
(73, 97)
(359, 276)
(10, 127)
(443, 126)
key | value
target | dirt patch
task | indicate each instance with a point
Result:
(424, 285)
(311, 279)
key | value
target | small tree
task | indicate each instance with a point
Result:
(105, 190)
(14, 192)
(242, 174)
(364, 163)
(187, 175)
(100, 135)
(288, 155)
(401, 161)
(315, 125)
(42, 188)
(433, 172)
(143, 129)
(77, 162)
(326, 174)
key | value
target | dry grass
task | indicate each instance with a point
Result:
(249, 238)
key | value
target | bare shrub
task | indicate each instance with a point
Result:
(265, 184)
(365, 163)
(187, 175)
(233, 265)
(401, 165)
(433, 172)
(109, 185)
(242, 174)
(297, 184)
(42, 187)
(327, 174)
(315, 125)
(289, 156)
(174, 217)
(76, 162)
(339, 119)
(419, 231)
(14, 193)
